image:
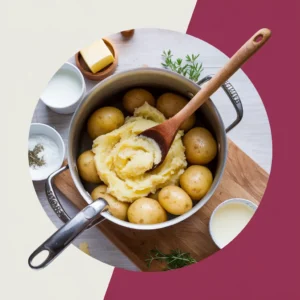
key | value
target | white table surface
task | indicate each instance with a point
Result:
(252, 135)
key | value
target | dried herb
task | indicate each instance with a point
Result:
(190, 69)
(174, 260)
(33, 156)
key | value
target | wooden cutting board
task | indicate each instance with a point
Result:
(242, 178)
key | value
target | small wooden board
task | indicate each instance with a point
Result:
(242, 178)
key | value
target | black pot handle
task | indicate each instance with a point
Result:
(233, 97)
(64, 236)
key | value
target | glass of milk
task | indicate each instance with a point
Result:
(65, 90)
(229, 218)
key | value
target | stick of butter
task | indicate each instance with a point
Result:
(97, 56)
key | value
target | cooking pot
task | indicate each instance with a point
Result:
(101, 95)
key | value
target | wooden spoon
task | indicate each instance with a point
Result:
(164, 133)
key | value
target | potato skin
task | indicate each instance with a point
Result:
(117, 208)
(104, 120)
(196, 181)
(86, 167)
(146, 211)
(99, 190)
(137, 97)
(175, 200)
(170, 104)
(200, 146)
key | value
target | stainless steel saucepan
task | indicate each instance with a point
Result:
(101, 95)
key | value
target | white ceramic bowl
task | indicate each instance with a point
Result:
(43, 129)
(226, 202)
(49, 97)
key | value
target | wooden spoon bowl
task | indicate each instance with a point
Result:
(83, 67)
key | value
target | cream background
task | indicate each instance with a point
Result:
(36, 38)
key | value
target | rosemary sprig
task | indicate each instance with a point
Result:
(191, 68)
(174, 260)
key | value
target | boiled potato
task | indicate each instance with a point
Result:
(104, 120)
(175, 200)
(117, 208)
(200, 146)
(86, 167)
(99, 190)
(136, 98)
(196, 181)
(146, 211)
(170, 104)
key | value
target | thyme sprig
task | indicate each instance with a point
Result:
(33, 156)
(174, 260)
(191, 68)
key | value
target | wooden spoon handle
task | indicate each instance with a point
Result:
(235, 62)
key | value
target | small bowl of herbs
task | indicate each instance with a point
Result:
(46, 151)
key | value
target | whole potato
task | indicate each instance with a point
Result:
(86, 167)
(99, 190)
(104, 120)
(175, 200)
(196, 181)
(146, 211)
(200, 146)
(170, 104)
(117, 208)
(137, 97)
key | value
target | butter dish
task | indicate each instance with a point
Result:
(91, 69)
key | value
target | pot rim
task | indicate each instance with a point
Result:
(85, 194)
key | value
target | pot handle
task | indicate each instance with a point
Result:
(233, 97)
(53, 199)
(62, 238)
(55, 203)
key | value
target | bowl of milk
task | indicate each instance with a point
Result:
(229, 218)
(65, 90)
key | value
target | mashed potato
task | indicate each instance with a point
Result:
(122, 159)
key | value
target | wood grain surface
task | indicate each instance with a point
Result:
(242, 178)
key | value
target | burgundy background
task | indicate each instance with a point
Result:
(263, 262)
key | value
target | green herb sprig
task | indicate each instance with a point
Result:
(33, 156)
(190, 69)
(174, 260)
